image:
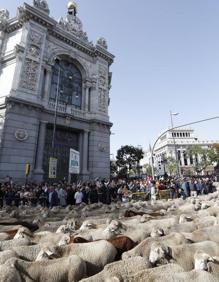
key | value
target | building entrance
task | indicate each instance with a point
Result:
(64, 141)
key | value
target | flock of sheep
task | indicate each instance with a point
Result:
(174, 240)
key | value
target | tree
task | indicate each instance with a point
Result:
(147, 169)
(113, 168)
(202, 157)
(170, 165)
(214, 154)
(128, 157)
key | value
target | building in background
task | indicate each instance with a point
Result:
(51, 75)
(183, 138)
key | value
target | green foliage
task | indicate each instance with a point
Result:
(113, 168)
(128, 157)
(170, 166)
(147, 169)
(206, 157)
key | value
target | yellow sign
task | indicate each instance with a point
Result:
(27, 169)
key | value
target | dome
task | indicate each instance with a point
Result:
(72, 5)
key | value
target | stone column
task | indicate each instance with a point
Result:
(87, 87)
(188, 161)
(182, 158)
(38, 172)
(47, 86)
(87, 99)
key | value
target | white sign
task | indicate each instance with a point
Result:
(52, 167)
(74, 162)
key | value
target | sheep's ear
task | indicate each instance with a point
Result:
(211, 259)
(49, 253)
(160, 231)
(168, 251)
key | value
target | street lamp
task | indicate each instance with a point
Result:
(174, 142)
(56, 107)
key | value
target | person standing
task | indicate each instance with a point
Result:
(78, 197)
(154, 192)
(53, 198)
(62, 194)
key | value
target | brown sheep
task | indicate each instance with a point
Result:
(122, 244)
(31, 226)
(131, 213)
(77, 239)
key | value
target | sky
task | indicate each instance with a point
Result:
(166, 58)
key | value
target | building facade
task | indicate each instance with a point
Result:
(174, 143)
(54, 94)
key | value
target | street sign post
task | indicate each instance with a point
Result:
(74, 163)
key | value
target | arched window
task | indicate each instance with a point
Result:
(67, 79)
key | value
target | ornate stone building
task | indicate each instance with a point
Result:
(180, 139)
(54, 94)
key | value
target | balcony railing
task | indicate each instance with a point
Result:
(67, 109)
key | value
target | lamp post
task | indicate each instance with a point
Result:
(56, 107)
(174, 142)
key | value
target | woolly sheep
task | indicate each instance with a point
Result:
(121, 268)
(68, 269)
(96, 254)
(143, 249)
(182, 254)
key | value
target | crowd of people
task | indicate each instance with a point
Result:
(104, 191)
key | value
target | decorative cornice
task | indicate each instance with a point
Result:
(27, 13)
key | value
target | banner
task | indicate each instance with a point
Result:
(52, 167)
(74, 162)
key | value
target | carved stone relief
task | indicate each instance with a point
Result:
(31, 66)
(21, 134)
(102, 100)
(102, 42)
(4, 16)
(30, 74)
(33, 51)
(42, 5)
(74, 25)
(103, 77)
(103, 85)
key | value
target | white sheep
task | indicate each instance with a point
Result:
(143, 249)
(122, 268)
(96, 254)
(9, 274)
(68, 269)
(5, 255)
(161, 253)
(201, 260)
(6, 245)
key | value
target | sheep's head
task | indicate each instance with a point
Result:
(157, 232)
(201, 260)
(117, 225)
(86, 225)
(46, 254)
(204, 206)
(197, 207)
(65, 240)
(184, 218)
(159, 253)
(23, 233)
(145, 218)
